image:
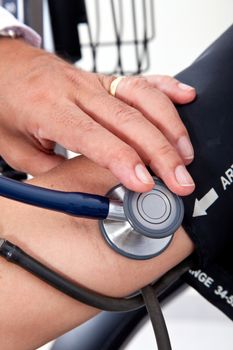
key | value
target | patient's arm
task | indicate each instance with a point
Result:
(32, 312)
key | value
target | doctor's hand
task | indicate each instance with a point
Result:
(45, 100)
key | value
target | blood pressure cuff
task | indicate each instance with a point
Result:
(209, 210)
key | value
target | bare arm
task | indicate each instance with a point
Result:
(32, 312)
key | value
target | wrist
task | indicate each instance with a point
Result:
(16, 55)
(11, 46)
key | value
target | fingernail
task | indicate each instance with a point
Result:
(143, 174)
(183, 177)
(185, 87)
(185, 147)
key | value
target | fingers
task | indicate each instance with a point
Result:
(157, 108)
(152, 128)
(177, 91)
(88, 137)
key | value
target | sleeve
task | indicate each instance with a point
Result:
(209, 119)
(8, 21)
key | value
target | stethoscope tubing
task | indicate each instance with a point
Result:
(73, 203)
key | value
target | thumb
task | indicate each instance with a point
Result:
(23, 156)
(42, 162)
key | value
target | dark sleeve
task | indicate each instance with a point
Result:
(209, 119)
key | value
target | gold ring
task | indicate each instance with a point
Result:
(114, 85)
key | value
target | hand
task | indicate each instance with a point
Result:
(45, 100)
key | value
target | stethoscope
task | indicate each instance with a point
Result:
(136, 225)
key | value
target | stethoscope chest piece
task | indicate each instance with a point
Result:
(151, 220)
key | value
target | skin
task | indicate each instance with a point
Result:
(45, 100)
(32, 312)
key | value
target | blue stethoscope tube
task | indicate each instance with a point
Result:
(72, 203)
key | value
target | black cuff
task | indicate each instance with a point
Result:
(209, 120)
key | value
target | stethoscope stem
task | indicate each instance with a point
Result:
(116, 211)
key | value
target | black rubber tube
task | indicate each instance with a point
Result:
(157, 319)
(16, 255)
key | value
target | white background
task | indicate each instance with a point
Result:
(184, 28)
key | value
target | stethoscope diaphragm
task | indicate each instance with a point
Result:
(151, 220)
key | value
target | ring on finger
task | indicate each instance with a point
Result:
(114, 85)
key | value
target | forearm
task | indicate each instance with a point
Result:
(74, 247)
